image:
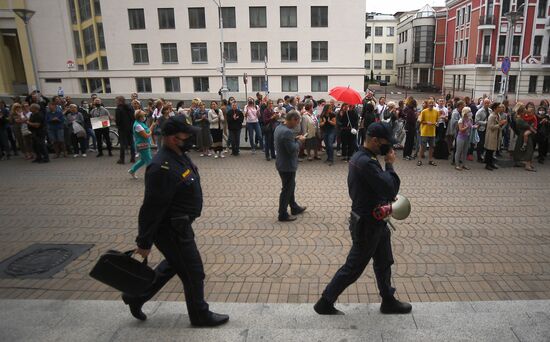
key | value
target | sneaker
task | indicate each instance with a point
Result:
(202, 155)
(338, 154)
(222, 156)
(84, 155)
(133, 174)
(209, 154)
(216, 156)
(75, 156)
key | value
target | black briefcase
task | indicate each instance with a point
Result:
(124, 273)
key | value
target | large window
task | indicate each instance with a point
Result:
(498, 83)
(140, 53)
(143, 85)
(389, 48)
(290, 83)
(89, 40)
(258, 83)
(233, 83)
(368, 31)
(502, 45)
(199, 53)
(378, 31)
(258, 17)
(100, 36)
(230, 51)
(542, 8)
(289, 51)
(289, 16)
(77, 46)
(368, 47)
(85, 10)
(533, 84)
(424, 36)
(258, 51)
(172, 84)
(319, 51)
(512, 82)
(136, 18)
(389, 64)
(377, 48)
(166, 18)
(505, 4)
(319, 83)
(390, 31)
(546, 85)
(93, 65)
(169, 52)
(197, 19)
(537, 45)
(200, 84)
(516, 44)
(228, 16)
(367, 64)
(319, 16)
(377, 64)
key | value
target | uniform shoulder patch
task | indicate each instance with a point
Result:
(186, 174)
(165, 166)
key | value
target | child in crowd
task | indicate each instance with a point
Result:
(531, 119)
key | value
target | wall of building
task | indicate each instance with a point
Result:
(384, 73)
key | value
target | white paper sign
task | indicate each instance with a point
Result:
(100, 122)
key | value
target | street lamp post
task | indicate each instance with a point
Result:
(224, 89)
(26, 16)
(512, 18)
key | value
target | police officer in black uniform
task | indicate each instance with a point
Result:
(172, 201)
(369, 187)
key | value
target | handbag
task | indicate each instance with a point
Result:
(353, 130)
(124, 273)
(142, 146)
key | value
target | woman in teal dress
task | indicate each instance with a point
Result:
(523, 156)
(142, 139)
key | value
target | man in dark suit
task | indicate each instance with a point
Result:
(124, 116)
(287, 146)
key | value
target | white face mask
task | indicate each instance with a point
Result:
(541, 112)
(280, 105)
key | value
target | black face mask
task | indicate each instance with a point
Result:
(186, 145)
(384, 149)
(98, 105)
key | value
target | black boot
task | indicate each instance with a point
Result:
(210, 319)
(390, 305)
(323, 307)
(135, 307)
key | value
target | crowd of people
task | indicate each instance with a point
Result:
(459, 129)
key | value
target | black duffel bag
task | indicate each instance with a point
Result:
(124, 273)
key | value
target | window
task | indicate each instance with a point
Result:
(423, 44)
(458, 18)
(546, 85)
(368, 31)
(405, 56)
(501, 45)
(377, 64)
(290, 83)
(258, 83)
(140, 53)
(104, 63)
(52, 80)
(85, 10)
(455, 52)
(460, 49)
(96, 86)
(83, 86)
(497, 85)
(319, 16)
(166, 18)
(505, 6)
(367, 48)
(93, 65)
(541, 9)
(319, 83)
(143, 85)
(319, 51)
(172, 84)
(258, 51)
(89, 40)
(197, 19)
(97, 7)
(72, 10)
(537, 45)
(289, 16)
(228, 16)
(516, 45)
(466, 45)
(512, 80)
(468, 14)
(200, 84)
(464, 82)
(199, 53)
(389, 64)
(77, 45)
(258, 17)
(136, 18)
(230, 52)
(377, 48)
(232, 83)
(367, 64)
(378, 31)
(100, 36)
(289, 51)
(390, 31)
(532, 84)
(169, 52)
(389, 48)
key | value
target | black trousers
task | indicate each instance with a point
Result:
(409, 142)
(79, 144)
(235, 135)
(480, 145)
(126, 139)
(287, 198)
(39, 147)
(100, 134)
(269, 143)
(348, 143)
(374, 243)
(542, 143)
(489, 157)
(177, 243)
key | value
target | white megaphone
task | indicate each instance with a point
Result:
(400, 210)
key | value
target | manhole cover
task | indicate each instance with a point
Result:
(41, 261)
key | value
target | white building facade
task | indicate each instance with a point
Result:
(381, 47)
(172, 48)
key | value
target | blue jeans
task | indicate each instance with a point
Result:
(144, 160)
(90, 134)
(56, 135)
(329, 144)
(269, 144)
(252, 128)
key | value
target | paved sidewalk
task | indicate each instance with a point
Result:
(51, 320)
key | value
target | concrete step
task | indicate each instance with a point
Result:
(51, 320)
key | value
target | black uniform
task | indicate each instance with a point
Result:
(172, 201)
(369, 186)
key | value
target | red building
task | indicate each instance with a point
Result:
(481, 33)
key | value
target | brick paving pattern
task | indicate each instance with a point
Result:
(471, 236)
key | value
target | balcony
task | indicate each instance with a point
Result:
(486, 22)
(483, 61)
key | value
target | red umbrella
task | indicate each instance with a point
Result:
(346, 94)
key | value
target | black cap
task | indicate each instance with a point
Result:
(381, 130)
(178, 124)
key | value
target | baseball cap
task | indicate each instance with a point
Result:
(381, 130)
(177, 124)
